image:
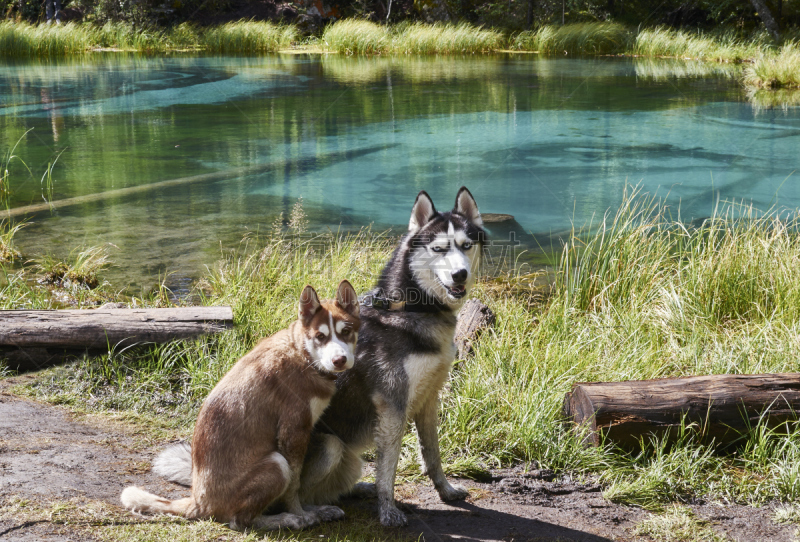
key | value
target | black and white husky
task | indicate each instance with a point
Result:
(403, 357)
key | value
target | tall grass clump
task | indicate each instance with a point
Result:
(357, 37)
(419, 38)
(781, 70)
(666, 42)
(79, 270)
(248, 37)
(123, 36)
(579, 38)
(26, 40)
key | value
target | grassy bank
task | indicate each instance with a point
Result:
(641, 297)
(363, 37)
(582, 38)
(243, 37)
(772, 67)
(613, 38)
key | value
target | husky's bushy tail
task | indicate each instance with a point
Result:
(175, 464)
(140, 500)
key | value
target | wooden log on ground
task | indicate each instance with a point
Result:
(473, 318)
(32, 339)
(722, 406)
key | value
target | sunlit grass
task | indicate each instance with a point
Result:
(79, 270)
(781, 70)
(666, 42)
(358, 37)
(248, 37)
(243, 37)
(23, 39)
(419, 38)
(580, 38)
(8, 249)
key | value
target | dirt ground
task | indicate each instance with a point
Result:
(47, 455)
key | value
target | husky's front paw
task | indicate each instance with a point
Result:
(449, 492)
(392, 517)
(325, 513)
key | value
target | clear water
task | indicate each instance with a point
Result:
(552, 141)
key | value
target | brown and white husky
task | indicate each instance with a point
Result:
(253, 429)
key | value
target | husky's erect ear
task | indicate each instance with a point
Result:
(346, 298)
(422, 212)
(465, 205)
(308, 306)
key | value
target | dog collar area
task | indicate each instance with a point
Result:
(381, 303)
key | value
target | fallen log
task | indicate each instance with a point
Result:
(722, 406)
(32, 339)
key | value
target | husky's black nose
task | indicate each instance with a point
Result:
(339, 362)
(459, 276)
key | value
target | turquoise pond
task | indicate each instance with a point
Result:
(552, 141)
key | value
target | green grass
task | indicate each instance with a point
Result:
(781, 70)
(613, 38)
(8, 249)
(23, 39)
(248, 37)
(358, 37)
(580, 38)
(242, 37)
(727, 47)
(637, 295)
(463, 38)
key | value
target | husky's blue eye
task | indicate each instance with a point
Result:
(467, 245)
(438, 249)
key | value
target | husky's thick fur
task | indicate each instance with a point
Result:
(253, 430)
(403, 357)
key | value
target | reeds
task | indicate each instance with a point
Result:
(357, 37)
(463, 38)
(666, 42)
(244, 37)
(23, 39)
(248, 37)
(781, 70)
(77, 271)
(580, 38)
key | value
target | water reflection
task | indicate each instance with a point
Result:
(551, 141)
